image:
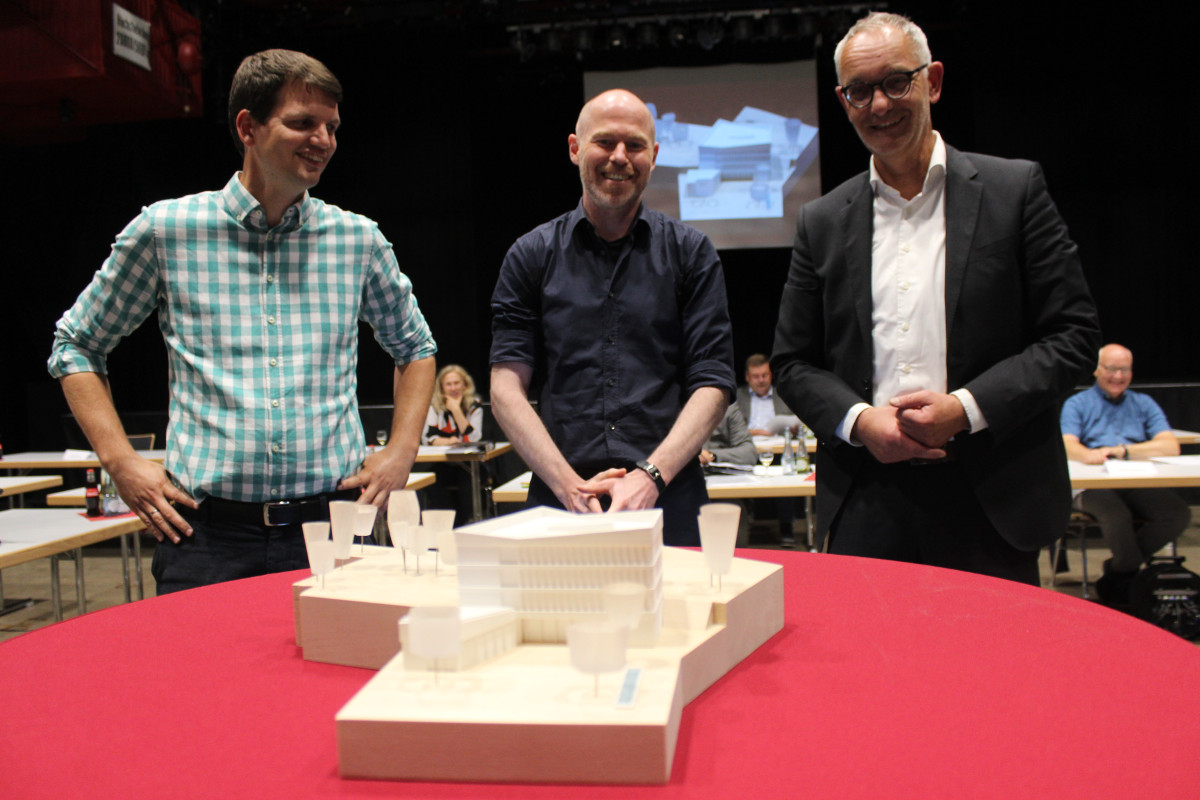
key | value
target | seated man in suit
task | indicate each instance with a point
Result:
(1110, 420)
(730, 441)
(758, 403)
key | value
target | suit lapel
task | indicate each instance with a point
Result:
(963, 197)
(858, 225)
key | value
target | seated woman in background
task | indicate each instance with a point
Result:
(456, 415)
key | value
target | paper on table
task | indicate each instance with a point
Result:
(78, 455)
(1183, 461)
(1115, 466)
(777, 423)
(729, 467)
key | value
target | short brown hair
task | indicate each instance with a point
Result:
(756, 360)
(260, 77)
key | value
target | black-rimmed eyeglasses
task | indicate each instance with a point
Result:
(895, 86)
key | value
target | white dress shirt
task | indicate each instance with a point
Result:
(762, 410)
(908, 292)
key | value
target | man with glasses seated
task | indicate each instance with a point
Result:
(1110, 420)
(934, 313)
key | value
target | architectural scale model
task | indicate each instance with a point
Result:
(735, 169)
(509, 706)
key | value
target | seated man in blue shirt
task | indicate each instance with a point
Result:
(1107, 421)
(259, 289)
(616, 316)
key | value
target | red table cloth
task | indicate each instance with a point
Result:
(888, 680)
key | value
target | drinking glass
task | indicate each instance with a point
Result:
(765, 457)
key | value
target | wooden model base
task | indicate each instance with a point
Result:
(528, 716)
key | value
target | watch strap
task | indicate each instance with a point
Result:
(654, 473)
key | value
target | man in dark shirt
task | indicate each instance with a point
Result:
(620, 313)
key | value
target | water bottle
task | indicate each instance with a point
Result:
(789, 456)
(801, 454)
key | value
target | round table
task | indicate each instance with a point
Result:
(888, 680)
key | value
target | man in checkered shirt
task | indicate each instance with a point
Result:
(259, 288)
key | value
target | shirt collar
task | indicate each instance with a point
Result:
(1116, 401)
(640, 223)
(243, 207)
(934, 174)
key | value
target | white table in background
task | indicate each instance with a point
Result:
(720, 487)
(27, 534)
(13, 488)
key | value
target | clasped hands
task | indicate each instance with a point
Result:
(913, 425)
(630, 490)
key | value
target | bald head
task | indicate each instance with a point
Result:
(1114, 371)
(613, 146)
(614, 102)
(1115, 352)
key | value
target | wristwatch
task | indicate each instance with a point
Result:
(655, 475)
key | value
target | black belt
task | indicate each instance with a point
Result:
(270, 515)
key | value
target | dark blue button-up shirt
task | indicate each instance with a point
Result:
(619, 335)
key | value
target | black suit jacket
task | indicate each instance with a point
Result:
(1021, 332)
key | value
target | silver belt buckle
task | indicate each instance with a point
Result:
(266, 511)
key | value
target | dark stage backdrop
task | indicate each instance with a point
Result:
(456, 149)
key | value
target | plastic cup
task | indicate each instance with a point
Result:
(624, 603)
(597, 646)
(342, 517)
(315, 532)
(438, 519)
(321, 558)
(364, 521)
(447, 548)
(434, 631)
(718, 535)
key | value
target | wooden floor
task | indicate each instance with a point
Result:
(104, 587)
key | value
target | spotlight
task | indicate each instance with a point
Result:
(617, 37)
(677, 34)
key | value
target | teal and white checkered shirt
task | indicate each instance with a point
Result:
(261, 328)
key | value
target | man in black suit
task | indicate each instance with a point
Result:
(934, 314)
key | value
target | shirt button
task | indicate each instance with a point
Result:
(904, 286)
(612, 382)
(274, 362)
(906, 369)
(270, 279)
(612, 427)
(904, 327)
(275, 448)
(275, 404)
(274, 492)
(270, 320)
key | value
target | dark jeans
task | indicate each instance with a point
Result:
(926, 514)
(680, 501)
(226, 551)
